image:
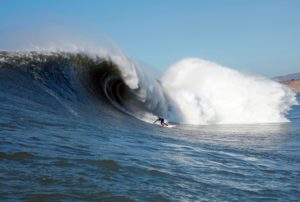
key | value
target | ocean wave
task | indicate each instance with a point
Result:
(124, 86)
(193, 91)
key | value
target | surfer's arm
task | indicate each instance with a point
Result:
(155, 120)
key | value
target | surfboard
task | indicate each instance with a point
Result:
(168, 126)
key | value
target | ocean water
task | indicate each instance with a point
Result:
(74, 128)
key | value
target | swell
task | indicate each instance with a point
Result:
(16, 155)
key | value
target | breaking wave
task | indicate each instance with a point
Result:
(193, 91)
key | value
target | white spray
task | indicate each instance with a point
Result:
(203, 92)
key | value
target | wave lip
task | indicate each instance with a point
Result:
(203, 92)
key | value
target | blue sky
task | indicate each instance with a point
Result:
(257, 36)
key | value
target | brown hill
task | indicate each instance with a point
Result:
(293, 84)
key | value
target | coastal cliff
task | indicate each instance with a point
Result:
(293, 84)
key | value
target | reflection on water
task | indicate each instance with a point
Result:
(266, 136)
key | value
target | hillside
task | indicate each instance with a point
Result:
(291, 80)
(293, 84)
(295, 76)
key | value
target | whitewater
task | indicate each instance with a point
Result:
(76, 125)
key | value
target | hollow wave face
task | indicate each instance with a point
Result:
(133, 92)
(203, 92)
(114, 79)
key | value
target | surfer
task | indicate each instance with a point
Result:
(162, 121)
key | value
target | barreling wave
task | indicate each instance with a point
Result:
(193, 91)
(108, 80)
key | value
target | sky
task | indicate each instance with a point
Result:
(258, 37)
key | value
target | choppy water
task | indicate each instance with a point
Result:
(58, 143)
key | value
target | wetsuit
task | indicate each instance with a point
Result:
(162, 121)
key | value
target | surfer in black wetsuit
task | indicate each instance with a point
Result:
(162, 121)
